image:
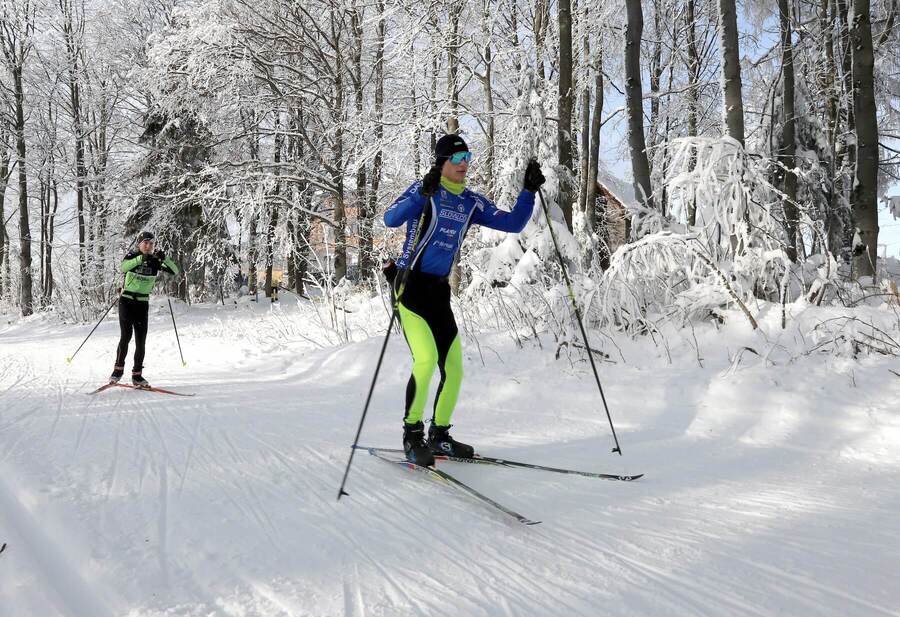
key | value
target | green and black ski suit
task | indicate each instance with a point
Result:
(424, 307)
(140, 276)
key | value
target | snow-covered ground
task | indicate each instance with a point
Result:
(772, 482)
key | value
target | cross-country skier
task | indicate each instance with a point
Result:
(438, 211)
(140, 268)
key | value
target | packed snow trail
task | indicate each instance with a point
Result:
(769, 490)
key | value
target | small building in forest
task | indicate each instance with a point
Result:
(615, 213)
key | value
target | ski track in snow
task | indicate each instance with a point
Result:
(767, 492)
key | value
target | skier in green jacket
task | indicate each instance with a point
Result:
(140, 268)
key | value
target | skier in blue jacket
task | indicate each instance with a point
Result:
(438, 211)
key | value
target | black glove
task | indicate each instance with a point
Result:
(533, 176)
(390, 270)
(160, 256)
(431, 182)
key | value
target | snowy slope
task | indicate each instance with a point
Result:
(772, 487)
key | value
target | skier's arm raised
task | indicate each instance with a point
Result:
(166, 263)
(132, 260)
(515, 220)
(411, 203)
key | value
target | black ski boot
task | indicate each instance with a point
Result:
(139, 382)
(414, 445)
(440, 442)
(116, 374)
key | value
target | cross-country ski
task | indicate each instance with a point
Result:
(147, 388)
(443, 476)
(479, 459)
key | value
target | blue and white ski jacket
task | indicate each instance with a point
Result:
(446, 222)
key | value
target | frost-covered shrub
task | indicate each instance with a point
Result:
(733, 253)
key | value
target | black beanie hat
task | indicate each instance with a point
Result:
(447, 146)
(145, 235)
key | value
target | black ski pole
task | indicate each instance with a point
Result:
(172, 313)
(362, 419)
(400, 289)
(587, 345)
(70, 358)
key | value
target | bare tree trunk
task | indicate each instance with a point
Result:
(564, 126)
(4, 181)
(270, 249)
(693, 93)
(299, 230)
(597, 217)
(453, 94)
(251, 127)
(828, 73)
(453, 45)
(731, 70)
(585, 121)
(72, 35)
(662, 138)
(634, 100)
(487, 83)
(25, 295)
(541, 17)
(291, 260)
(366, 248)
(514, 34)
(787, 150)
(733, 104)
(273, 203)
(846, 171)
(340, 216)
(252, 254)
(303, 229)
(53, 207)
(656, 71)
(434, 121)
(417, 133)
(6, 275)
(44, 205)
(865, 186)
(98, 156)
(363, 221)
(16, 30)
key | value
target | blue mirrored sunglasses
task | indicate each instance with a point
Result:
(459, 157)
